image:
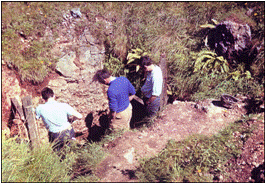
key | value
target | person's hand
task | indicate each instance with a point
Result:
(150, 100)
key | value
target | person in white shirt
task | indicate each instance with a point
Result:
(152, 87)
(55, 118)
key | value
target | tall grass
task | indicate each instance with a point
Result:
(74, 163)
(21, 164)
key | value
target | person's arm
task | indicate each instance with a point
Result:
(131, 90)
(76, 114)
(131, 97)
(112, 115)
(112, 105)
(157, 80)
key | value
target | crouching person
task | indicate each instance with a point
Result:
(55, 118)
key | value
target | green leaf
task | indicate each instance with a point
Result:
(225, 67)
(221, 58)
(137, 68)
(207, 53)
(248, 75)
(215, 21)
(208, 26)
(169, 92)
(144, 54)
(131, 57)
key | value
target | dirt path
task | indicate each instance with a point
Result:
(176, 122)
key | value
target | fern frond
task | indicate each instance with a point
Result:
(207, 53)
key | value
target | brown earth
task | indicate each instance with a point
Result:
(176, 121)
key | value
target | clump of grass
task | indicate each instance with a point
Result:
(21, 164)
(196, 159)
(87, 158)
(23, 45)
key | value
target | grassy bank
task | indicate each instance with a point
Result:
(22, 164)
(172, 28)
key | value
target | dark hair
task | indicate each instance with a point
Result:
(145, 61)
(47, 93)
(102, 74)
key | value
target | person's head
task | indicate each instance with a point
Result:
(47, 93)
(146, 63)
(103, 76)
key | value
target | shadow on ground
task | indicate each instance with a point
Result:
(138, 114)
(96, 132)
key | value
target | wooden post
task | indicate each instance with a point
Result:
(17, 108)
(30, 119)
(163, 66)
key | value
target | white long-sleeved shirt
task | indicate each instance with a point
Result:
(154, 83)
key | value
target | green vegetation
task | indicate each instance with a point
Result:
(197, 158)
(173, 28)
(194, 73)
(21, 164)
(24, 48)
(209, 62)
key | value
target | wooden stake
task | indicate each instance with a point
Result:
(163, 66)
(30, 119)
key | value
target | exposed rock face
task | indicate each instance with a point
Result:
(79, 55)
(232, 40)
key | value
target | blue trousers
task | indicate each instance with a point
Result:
(153, 107)
(61, 138)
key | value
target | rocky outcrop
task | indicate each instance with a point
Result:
(80, 55)
(233, 41)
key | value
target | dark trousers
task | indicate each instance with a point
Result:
(152, 108)
(61, 138)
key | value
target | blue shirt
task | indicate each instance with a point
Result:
(118, 94)
(54, 115)
(154, 83)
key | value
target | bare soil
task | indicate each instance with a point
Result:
(178, 122)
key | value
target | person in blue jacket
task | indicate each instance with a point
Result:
(120, 92)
